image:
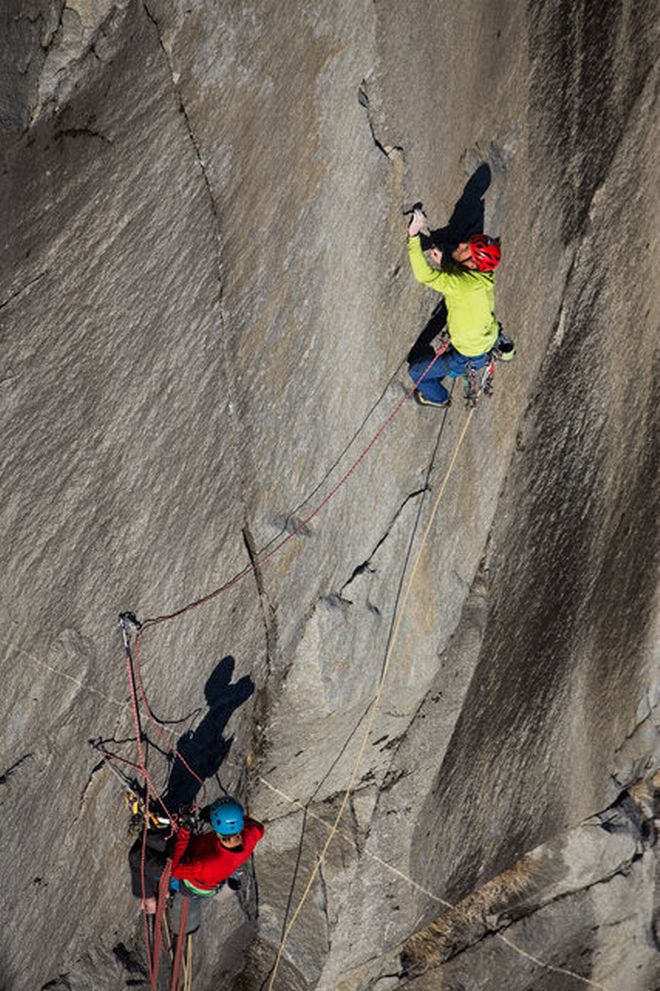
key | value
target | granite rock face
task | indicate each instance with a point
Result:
(205, 314)
(564, 893)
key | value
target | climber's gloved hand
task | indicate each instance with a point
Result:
(234, 882)
(186, 818)
(417, 223)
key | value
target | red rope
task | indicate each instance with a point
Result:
(163, 892)
(264, 556)
(134, 707)
(147, 777)
(258, 560)
(143, 883)
(249, 569)
(153, 952)
(154, 720)
(180, 943)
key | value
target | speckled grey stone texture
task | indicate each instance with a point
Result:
(205, 309)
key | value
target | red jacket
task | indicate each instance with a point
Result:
(205, 862)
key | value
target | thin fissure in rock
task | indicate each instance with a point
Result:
(19, 292)
(6, 775)
(366, 565)
(363, 100)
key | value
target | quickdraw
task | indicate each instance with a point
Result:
(134, 798)
(475, 384)
(135, 805)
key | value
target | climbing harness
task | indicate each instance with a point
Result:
(476, 384)
(473, 383)
(139, 813)
(133, 794)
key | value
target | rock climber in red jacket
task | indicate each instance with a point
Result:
(200, 863)
(203, 863)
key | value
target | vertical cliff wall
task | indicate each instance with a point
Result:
(206, 310)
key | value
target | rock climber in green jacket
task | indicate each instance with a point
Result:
(466, 281)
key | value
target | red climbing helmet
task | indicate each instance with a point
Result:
(486, 252)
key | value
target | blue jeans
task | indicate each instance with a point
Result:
(450, 363)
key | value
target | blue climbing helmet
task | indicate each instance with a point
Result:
(226, 816)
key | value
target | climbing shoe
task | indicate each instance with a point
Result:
(429, 402)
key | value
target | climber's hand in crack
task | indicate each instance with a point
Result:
(417, 222)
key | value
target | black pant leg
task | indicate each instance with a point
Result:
(154, 862)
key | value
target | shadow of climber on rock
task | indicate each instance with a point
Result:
(422, 349)
(204, 748)
(468, 215)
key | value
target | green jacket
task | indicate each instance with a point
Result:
(470, 299)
